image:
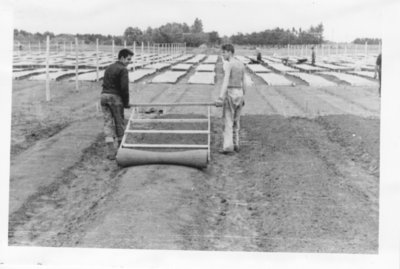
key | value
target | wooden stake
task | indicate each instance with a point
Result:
(76, 65)
(97, 59)
(113, 50)
(47, 68)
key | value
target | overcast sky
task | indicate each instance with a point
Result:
(343, 20)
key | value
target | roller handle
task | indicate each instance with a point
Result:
(173, 104)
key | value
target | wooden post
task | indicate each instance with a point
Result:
(76, 65)
(134, 47)
(47, 68)
(40, 49)
(142, 50)
(97, 59)
(113, 50)
(124, 44)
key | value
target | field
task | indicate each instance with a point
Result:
(306, 178)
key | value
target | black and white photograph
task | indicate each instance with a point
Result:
(250, 132)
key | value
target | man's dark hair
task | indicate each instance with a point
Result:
(228, 47)
(124, 53)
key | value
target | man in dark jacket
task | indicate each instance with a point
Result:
(114, 98)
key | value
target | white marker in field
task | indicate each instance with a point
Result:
(76, 64)
(113, 50)
(97, 59)
(47, 68)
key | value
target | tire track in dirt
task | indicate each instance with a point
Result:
(57, 214)
(34, 120)
(365, 106)
(351, 173)
(312, 106)
(285, 191)
(333, 187)
(356, 141)
(351, 107)
(251, 98)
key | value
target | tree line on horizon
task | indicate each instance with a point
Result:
(193, 36)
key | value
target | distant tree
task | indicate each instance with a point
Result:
(172, 32)
(50, 34)
(197, 26)
(214, 38)
(281, 37)
(195, 39)
(371, 41)
(133, 34)
(185, 28)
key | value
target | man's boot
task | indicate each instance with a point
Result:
(111, 151)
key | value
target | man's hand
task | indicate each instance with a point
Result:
(219, 102)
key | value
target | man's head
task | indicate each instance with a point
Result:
(227, 51)
(125, 56)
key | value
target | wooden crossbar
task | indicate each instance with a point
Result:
(167, 131)
(165, 146)
(173, 104)
(168, 120)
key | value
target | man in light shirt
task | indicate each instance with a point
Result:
(231, 98)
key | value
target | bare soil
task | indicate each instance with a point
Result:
(305, 180)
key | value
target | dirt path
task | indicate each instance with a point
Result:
(300, 195)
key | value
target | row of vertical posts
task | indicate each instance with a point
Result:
(326, 49)
(167, 48)
(159, 48)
